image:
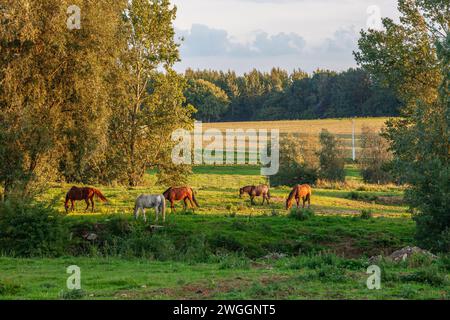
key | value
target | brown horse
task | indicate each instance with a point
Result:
(86, 194)
(180, 193)
(256, 191)
(303, 192)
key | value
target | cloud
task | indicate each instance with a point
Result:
(204, 48)
(202, 41)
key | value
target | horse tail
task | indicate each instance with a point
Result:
(195, 200)
(163, 207)
(100, 195)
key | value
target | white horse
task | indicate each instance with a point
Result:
(145, 201)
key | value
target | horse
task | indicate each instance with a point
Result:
(303, 192)
(180, 193)
(87, 194)
(150, 201)
(256, 191)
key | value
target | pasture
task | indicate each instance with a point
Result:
(228, 249)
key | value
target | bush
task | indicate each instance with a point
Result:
(293, 174)
(301, 214)
(31, 230)
(298, 162)
(375, 158)
(361, 196)
(366, 214)
(331, 158)
(428, 275)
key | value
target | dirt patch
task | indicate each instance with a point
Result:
(346, 249)
(201, 290)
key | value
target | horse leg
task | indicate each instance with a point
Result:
(92, 204)
(157, 214)
(172, 207)
(304, 202)
(192, 204)
(298, 202)
(73, 205)
(185, 205)
(143, 213)
(87, 204)
(136, 213)
(252, 200)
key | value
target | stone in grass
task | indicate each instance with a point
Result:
(274, 256)
(406, 253)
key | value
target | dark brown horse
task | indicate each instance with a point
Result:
(86, 194)
(256, 191)
(180, 193)
(303, 192)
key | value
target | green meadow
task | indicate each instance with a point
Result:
(228, 249)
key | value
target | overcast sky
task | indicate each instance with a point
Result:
(293, 34)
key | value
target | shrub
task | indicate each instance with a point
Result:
(366, 214)
(374, 158)
(428, 275)
(301, 214)
(72, 294)
(361, 196)
(31, 230)
(331, 158)
(9, 288)
(298, 162)
(234, 261)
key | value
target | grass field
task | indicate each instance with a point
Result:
(230, 250)
(336, 126)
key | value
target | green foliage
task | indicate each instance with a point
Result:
(298, 163)
(210, 101)
(430, 276)
(374, 158)
(31, 230)
(278, 95)
(233, 261)
(75, 294)
(413, 57)
(366, 214)
(354, 195)
(9, 288)
(331, 158)
(301, 214)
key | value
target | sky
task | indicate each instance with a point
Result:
(241, 35)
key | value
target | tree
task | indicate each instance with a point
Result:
(53, 89)
(298, 161)
(331, 157)
(149, 104)
(413, 58)
(210, 100)
(374, 157)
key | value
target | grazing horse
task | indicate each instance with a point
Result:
(180, 193)
(303, 192)
(145, 201)
(86, 194)
(256, 191)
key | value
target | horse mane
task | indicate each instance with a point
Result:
(165, 192)
(292, 195)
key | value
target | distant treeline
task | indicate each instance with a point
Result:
(280, 95)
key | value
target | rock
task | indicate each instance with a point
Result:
(90, 236)
(405, 253)
(275, 256)
(375, 259)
